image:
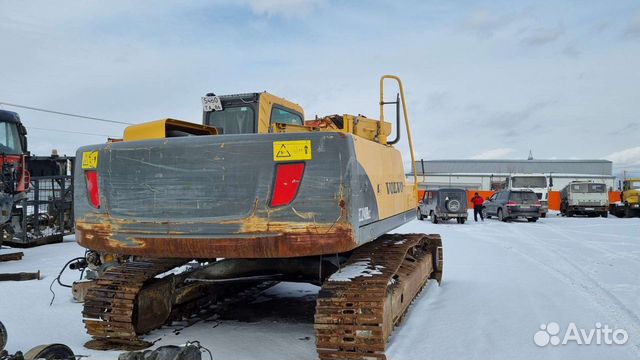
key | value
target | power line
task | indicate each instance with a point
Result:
(69, 131)
(64, 113)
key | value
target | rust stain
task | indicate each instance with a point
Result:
(289, 239)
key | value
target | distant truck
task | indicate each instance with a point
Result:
(584, 198)
(538, 183)
(629, 205)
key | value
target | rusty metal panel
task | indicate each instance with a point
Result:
(209, 196)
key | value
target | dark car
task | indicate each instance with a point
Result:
(511, 204)
(444, 204)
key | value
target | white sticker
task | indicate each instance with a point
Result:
(364, 214)
(211, 103)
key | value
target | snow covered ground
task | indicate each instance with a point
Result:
(502, 281)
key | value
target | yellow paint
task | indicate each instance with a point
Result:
(630, 196)
(383, 165)
(266, 103)
(292, 150)
(90, 160)
(159, 129)
(406, 122)
(370, 129)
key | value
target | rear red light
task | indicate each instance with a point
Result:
(512, 203)
(92, 188)
(537, 204)
(285, 188)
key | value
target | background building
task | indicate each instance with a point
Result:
(488, 174)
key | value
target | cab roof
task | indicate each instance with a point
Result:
(9, 117)
(258, 96)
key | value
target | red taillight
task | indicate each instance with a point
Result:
(512, 203)
(537, 204)
(285, 188)
(92, 188)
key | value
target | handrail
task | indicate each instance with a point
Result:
(406, 121)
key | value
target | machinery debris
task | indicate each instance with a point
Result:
(36, 192)
(190, 351)
(20, 276)
(40, 352)
(11, 256)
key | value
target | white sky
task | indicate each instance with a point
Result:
(483, 79)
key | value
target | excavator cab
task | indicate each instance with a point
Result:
(253, 113)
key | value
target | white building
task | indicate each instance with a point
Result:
(488, 174)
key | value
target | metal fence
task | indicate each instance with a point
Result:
(44, 214)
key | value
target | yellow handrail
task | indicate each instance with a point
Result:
(406, 121)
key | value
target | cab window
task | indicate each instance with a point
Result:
(579, 188)
(282, 116)
(233, 120)
(9, 139)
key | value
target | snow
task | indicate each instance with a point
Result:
(501, 282)
(358, 269)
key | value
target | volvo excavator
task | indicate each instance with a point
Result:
(180, 214)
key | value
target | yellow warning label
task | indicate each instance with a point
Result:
(90, 160)
(292, 150)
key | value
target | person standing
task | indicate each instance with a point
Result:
(477, 202)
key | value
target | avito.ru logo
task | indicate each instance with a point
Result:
(600, 335)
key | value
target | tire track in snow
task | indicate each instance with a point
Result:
(595, 245)
(576, 277)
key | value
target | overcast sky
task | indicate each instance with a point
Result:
(483, 79)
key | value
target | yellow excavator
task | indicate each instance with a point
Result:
(276, 197)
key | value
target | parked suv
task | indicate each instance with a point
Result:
(510, 204)
(444, 204)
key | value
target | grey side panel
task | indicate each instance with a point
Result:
(364, 206)
(170, 185)
(376, 229)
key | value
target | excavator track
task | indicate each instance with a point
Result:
(358, 307)
(129, 300)
(110, 307)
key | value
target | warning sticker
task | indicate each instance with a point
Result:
(292, 150)
(90, 160)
